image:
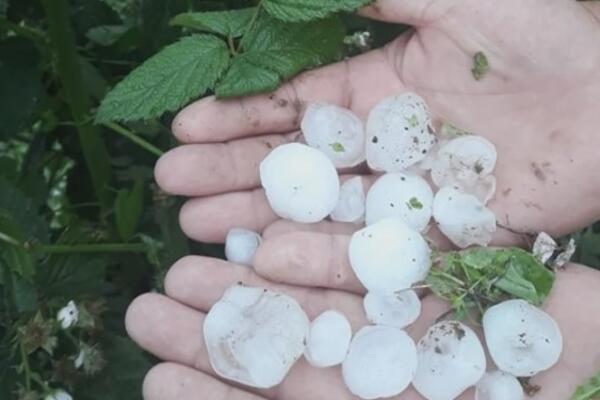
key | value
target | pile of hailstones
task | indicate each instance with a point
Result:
(254, 335)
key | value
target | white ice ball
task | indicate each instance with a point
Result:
(300, 182)
(241, 245)
(351, 204)
(329, 339)
(398, 309)
(498, 385)
(335, 131)
(402, 195)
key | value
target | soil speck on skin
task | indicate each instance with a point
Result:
(506, 192)
(530, 204)
(538, 172)
(281, 103)
(529, 388)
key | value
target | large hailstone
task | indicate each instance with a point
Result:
(498, 385)
(389, 256)
(522, 339)
(351, 204)
(381, 362)
(335, 131)
(462, 218)
(451, 359)
(329, 339)
(399, 133)
(241, 245)
(406, 196)
(398, 309)
(255, 335)
(467, 163)
(300, 182)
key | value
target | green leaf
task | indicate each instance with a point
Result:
(232, 23)
(337, 147)
(128, 210)
(481, 66)
(275, 51)
(306, 10)
(3, 7)
(589, 390)
(414, 203)
(106, 35)
(168, 80)
(20, 83)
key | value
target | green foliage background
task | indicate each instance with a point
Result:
(80, 216)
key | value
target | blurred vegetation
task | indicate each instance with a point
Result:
(80, 216)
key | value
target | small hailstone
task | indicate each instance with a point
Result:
(300, 183)
(351, 204)
(389, 255)
(498, 385)
(399, 133)
(466, 162)
(254, 335)
(450, 359)
(522, 339)
(406, 196)
(563, 258)
(241, 245)
(544, 247)
(335, 131)
(329, 339)
(381, 362)
(68, 315)
(58, 395)
(462, 218)
(398, 309)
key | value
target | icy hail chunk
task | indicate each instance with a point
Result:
(329, 339)
(398, 309)
(498, 385)
(241, 245)
(544, 247)
(300, 183)
(255, 335)
(399, 133)
(401, 195)
(351, 204)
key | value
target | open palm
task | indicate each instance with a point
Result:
(536, 104)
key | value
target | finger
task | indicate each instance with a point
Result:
(593, 7)
(203, 169)
(200, 281)
(357, 84)
(170, 381)
(308, 259)
(412, 12)
(208, 219)
(283, 226)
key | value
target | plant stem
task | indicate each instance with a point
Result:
(134, 138)
(26, 367)
(23, 30)
(78, 98)
(9, 239)
(231, 45)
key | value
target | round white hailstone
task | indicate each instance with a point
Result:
(522, 339)
(451, 359)
(329, 339)
(398, 309)
(389, 256)
(462, 218)
(300, 182)
(399, 133)
(498, 385)
(381, 362)
(255, 335)
(335, 131)
(241, 245)
(351, 204)
(406, 196)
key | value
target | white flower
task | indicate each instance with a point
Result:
(79, 359)
(58, 395)
(68, 315)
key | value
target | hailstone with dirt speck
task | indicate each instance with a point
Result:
(351, 204)
(381, 362)
(544, 247)
(498, 385)
(329, 339)
(254, 335)
(398, 309)
(399, 133)
(241, 245)
(389, 255)
(406, 196)
(522, 339)
(451, 359)
(335, 131)
(462, 218)
(300, 183)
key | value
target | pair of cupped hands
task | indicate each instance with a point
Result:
(538, 104)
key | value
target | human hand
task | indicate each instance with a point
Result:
(537, 105)
(170, 326)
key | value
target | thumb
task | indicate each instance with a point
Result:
(411, 12)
